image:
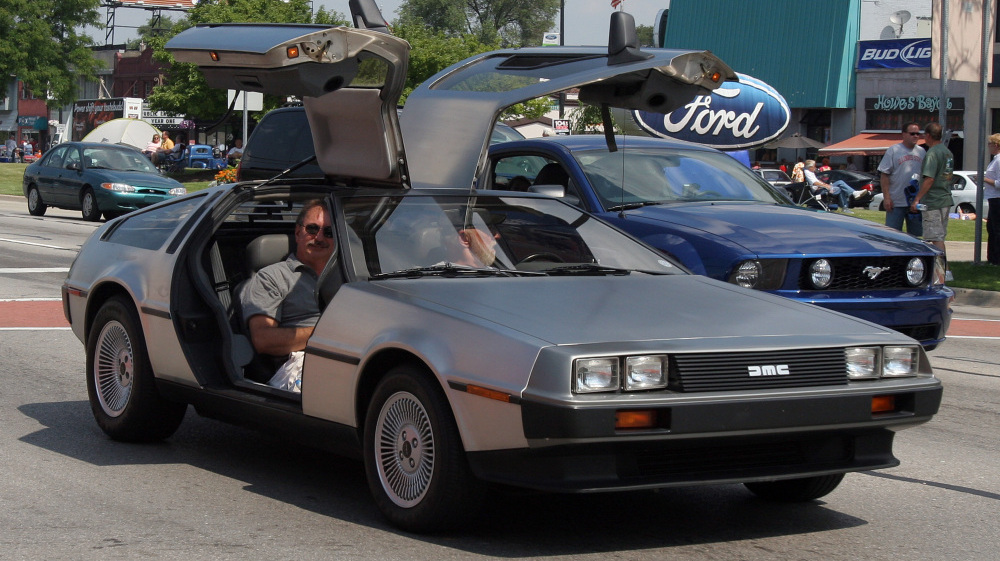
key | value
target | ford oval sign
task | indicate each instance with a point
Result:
(737, 115)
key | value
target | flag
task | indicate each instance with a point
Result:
(616, 3)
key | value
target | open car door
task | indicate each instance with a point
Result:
(447, 120)
(349, 80)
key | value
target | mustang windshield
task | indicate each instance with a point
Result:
(637, 177)
(421, 235)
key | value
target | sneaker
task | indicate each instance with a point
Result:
(948, 277)
(845, 211)
(859, 193)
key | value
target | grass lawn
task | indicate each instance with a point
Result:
(980, 277)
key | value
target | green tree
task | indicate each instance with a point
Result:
(185, 91)
(645, 35)
(507, 22)
(41, 45)
(432, 51)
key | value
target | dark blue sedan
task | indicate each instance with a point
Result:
(711, 213)
(95, 178)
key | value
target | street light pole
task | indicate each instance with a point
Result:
(562, 41)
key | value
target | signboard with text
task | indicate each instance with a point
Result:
(894, 53)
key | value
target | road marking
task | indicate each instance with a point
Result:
(31, 243)
(30, 299)
(34, 328)
(973, 319)
(16, 270)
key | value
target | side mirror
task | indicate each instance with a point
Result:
(74, 166)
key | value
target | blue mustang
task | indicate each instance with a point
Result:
(710, 212)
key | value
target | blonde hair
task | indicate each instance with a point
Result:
(995, 139)
(810, 163)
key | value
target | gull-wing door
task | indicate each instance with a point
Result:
(447, 120)
(348, 79)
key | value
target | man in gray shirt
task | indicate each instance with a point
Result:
(898, 166)
(280, 302)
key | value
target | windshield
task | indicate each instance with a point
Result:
(661, 176)
(115, 158)
(508, 234)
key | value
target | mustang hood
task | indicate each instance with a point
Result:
(635, 308)
(778, 230)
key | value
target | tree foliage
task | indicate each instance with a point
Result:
(506, 22)
(185, 91)
(42, 47)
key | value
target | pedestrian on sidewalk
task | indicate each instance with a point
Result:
(935, 189)
(901, 162)
(991, 194)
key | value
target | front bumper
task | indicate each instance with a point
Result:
(574, 449)
(921, 314)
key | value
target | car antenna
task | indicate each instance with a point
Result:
(294, 167)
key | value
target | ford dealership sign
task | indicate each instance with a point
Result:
(737, 115)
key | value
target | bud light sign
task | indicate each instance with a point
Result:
(894, 53)
(737, 115)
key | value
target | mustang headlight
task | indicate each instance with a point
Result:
(915, 271)
(595, 375)
(645, 372)
(862, 362)
(177, 191)
(118, 187)
(900, 362)
(821, 273)
(765, 274)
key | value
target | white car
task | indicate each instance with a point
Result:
(963, 192)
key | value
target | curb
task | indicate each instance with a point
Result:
(972, 297)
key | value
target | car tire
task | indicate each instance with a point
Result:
(414, 460)
(35, 205)
(88, 206)
(120, 382)
(796, 490)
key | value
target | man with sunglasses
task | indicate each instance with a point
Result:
(280, 301)
(899, 165)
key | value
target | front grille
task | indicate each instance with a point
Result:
(855, 273)
(706, 372)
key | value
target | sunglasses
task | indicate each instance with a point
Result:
(313, 229)
(914, 133)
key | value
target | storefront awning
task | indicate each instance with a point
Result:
(864, 144)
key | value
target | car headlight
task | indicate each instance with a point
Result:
(915, 271)
(177, 191)
(645, 372)
(765, 274)
(595, 375)
(868, 363)
(862, 362)
(900, 362)
(939, 271)
(821, 273)
(118, 187)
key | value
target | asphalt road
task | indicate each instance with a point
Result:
(213, 491)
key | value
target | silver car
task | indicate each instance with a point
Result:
(578, 360)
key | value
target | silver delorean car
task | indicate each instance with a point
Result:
(567, 357)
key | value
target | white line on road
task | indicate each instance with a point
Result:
(973, 319)
(31, 243)
(30, 299)
(969, 337)
(15, 270)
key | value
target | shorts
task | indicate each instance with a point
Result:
(935, 224)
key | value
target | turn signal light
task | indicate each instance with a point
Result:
(292, 51)
(631, 420)
(214, 55)
(883, 404)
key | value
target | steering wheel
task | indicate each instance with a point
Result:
(543, 256)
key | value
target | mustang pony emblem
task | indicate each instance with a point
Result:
(873, 272)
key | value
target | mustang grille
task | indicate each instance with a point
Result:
(855, 273)
(757, 370)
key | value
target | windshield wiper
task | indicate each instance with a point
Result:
(632, 206)
(452, 270)
(585, 269)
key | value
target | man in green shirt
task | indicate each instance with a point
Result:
(935, 188)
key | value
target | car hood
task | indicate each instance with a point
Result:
(775, 230)
(137, 178)
(567, 311)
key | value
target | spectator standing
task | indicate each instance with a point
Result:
(797, 175)
(898, 166)
(935, 189)
(991, 193)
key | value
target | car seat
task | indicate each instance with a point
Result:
(551, 174)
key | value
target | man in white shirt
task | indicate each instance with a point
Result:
(898, 166)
